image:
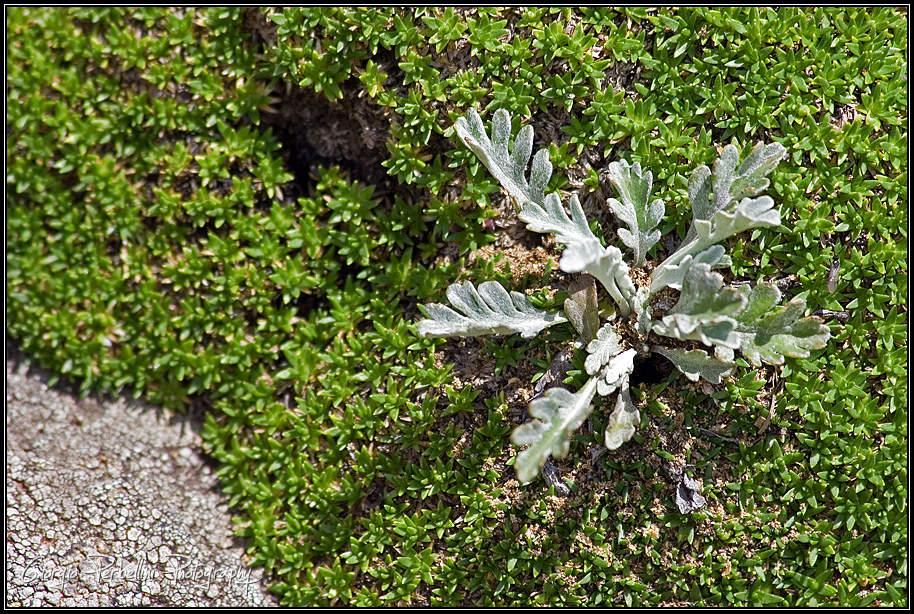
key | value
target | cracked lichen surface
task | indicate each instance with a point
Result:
(109, 503)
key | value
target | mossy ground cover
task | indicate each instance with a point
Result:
(241, 210)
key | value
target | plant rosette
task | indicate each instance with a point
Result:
(724, 201)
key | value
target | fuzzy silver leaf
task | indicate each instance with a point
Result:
(491, 310)
(634, 207)
(556, 416)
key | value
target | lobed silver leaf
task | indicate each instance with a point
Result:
(731, 181)
(768, 333)
(672, 276)
(623, 421)
(616, 372)
(603, 348)
(583, 250)
(507, 165)
(557, 414)
(490, 310)
(705, 309)
(723, 204)
(695, 363)
(634, 207)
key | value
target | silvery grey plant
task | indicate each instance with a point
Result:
(724, 201)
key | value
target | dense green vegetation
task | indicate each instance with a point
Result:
(241, 210)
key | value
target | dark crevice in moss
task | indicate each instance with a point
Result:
(350, 133)
(303, 304)
(262, 30)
